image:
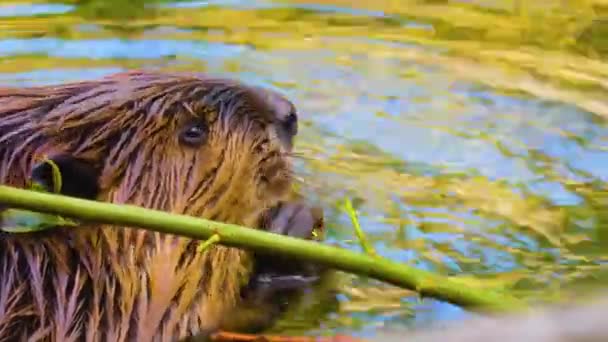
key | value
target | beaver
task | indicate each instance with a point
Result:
(184, 143)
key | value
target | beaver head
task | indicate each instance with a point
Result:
(183, 143)
(178, 142)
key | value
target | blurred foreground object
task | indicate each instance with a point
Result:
(586, 321)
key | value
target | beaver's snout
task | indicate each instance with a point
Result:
(289, 123)
(285, 116)
(287, 128)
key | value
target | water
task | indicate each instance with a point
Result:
(471, 135)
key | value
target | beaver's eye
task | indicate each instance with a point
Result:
(194, 134)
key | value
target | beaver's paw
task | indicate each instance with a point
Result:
(280, 273)
(295, 219)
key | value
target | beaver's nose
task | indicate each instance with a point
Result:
(282, 111)
(290, 123)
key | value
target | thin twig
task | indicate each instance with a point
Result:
(367, 247)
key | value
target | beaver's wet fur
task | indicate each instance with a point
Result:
(183, 143)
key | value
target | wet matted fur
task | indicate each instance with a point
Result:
(183, 143)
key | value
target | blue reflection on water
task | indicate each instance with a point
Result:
(30, 10)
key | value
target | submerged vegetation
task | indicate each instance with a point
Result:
(471, 136)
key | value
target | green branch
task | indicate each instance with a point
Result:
(425, 283)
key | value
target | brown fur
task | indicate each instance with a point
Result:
(104, 283)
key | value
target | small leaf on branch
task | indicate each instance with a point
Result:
(17, 221)
(57, 180)
(24, 221)
(203, 246)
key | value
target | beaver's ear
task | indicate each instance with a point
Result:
(79, 178)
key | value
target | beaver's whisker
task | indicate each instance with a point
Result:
(298, 156)
(299, 153)
(299, 180)
(188, 108)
